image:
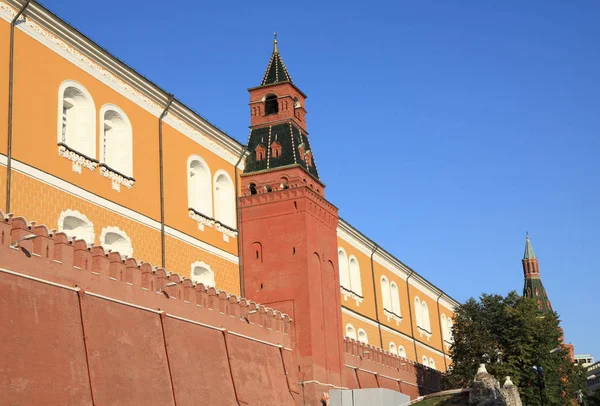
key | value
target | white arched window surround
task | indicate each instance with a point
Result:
(418, 312)
(224, 199)
(199, 185)
(395, 298)
(385, 294)
(401, 351)
(76, 118)
(75, 224)
(116, 240)
(116, 140)
(426, 320)
(355, 282)
(350, 331)
(431, 363)
(344, 271)
(424, 360)
(393, 348)
(444, 327)
(362, 336)
(201, 272)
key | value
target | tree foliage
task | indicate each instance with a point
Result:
(510, 335)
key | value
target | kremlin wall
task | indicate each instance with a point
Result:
(105, 166)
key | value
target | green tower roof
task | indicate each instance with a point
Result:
(529, 254)
(276, 71)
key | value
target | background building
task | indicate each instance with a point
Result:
(593, 377)
(584, 360)
(96, 150)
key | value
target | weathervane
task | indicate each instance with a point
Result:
(275, 42)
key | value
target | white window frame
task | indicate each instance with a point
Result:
(350, 332)
(202, 264)
(127, 131)
(88, 232)
(207, 188)
(73, 152)
(127, 251)
(362, 336)
(226, 215)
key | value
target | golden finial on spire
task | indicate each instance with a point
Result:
(275, 50)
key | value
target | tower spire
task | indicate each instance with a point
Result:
(529, 254)
(534, 287)
(276, 70)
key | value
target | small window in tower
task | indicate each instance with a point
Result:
(252, 188)
(271, 105)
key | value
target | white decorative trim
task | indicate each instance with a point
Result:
(78, 160)
(123, 211)
(116, 178)
(201, 219)
(128, 252)
(226, 230)
(393, 316)
(423, 332)
(350, 294)
(99, 72)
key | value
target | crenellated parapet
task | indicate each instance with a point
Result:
(35, 252)
(371, 367)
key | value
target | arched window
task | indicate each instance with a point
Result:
(385, 294)
(252, 188)
(362, 336)
(355, 284)
(418, 312)
(395, 298)
(115, 240)
(271, 105)
(431, 363)
(444, 327)
(116, 143)
(401, 351)
(426, 322)
(201, 273)
(344, 271)
(393, 348)
(350, 331)
(224, 199)
(199, 188)
(76, 225)
(77, 118)
(424, 360)
(449, 330)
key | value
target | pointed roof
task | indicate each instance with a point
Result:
(529, 254)
(276, 71)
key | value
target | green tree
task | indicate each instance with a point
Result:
(510, 335)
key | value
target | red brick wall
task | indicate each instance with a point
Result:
(81, 328)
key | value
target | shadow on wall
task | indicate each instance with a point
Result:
(428, 380)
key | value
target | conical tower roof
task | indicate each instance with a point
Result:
(529, 254)
(276, 71)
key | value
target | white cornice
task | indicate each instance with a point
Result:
(63, 39)
(363, 244)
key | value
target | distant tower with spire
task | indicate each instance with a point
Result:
(534, 287)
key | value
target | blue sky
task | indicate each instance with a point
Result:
(443, 130)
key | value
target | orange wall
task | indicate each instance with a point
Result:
(367, 307)
(39, 73)
(177, 149)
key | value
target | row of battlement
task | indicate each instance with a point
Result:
(57, 251)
